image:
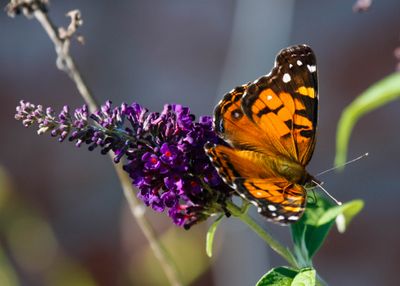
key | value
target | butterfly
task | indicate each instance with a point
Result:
(269, 127)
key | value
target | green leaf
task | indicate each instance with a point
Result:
(349, 210)
(311, 230)
(306, 277)
(285, 276)
(300, 247)
(314, 211)
(280, 276)
(308, 235)
(211, 234)
(344, 219)
(380, 93)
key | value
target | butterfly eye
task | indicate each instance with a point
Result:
(237, 114)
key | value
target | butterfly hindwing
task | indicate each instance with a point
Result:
(245, 171)
(276, 198)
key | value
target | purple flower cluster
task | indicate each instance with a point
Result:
(175, 172)
(164, 152)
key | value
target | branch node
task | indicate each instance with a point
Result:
(76, 22)
(65, 35)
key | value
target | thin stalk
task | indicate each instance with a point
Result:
(66, 63)
(275, 245)
(138, 211)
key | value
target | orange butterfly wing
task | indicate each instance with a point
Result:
(246, 171)
(236, 128)
(285, 103)
(270, 125)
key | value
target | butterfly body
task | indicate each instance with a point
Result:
(269, 127)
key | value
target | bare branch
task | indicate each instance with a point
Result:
(61, 39)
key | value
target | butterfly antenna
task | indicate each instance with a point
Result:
(327, 193)
(340, 166)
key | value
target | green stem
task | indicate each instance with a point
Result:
(377, 95)
(275, 245)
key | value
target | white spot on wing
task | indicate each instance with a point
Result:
(272, 208)
(236, 114)
(311, 68)
(281, 217)
(299, 63)
(293, 217)
(269, 97)
(290, 66)
(286, 78)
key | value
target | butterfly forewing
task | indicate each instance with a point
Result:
(285, 102)
(239, 130)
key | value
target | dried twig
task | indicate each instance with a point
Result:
(61, 39)
(26, 7)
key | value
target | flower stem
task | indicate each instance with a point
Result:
(275, 245)
(66, 63)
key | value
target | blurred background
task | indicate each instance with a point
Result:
(63, 219)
